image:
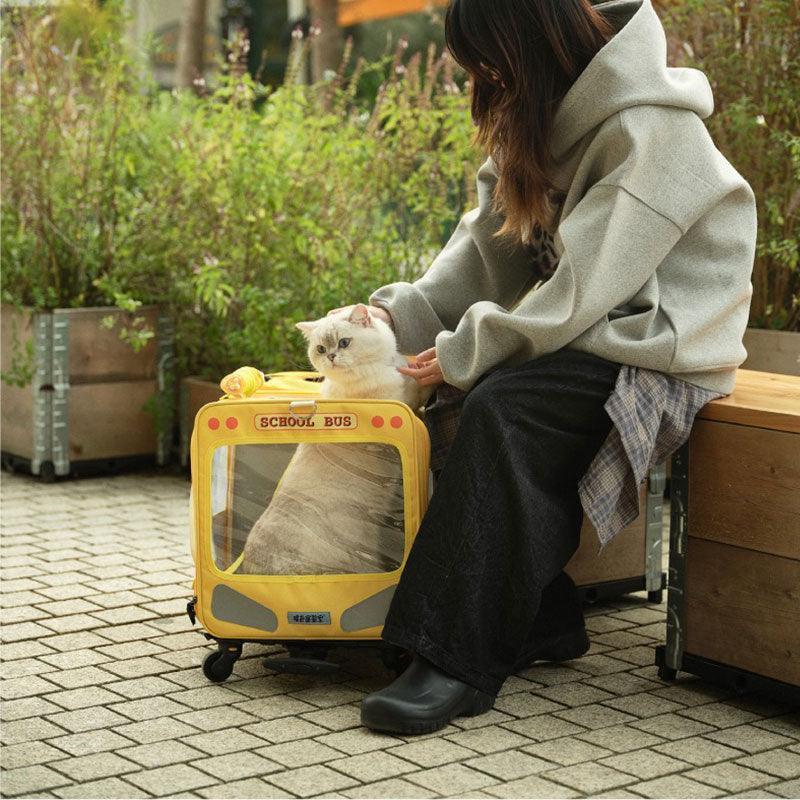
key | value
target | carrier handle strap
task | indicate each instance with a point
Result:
(303, 409)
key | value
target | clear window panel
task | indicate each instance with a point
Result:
(307, 509)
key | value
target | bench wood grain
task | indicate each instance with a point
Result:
(742, 577)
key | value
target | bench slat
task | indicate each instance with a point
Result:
(761, 400)
(743, 609)
(743, 487)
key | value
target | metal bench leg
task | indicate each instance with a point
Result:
(654, 532)
(670, 658)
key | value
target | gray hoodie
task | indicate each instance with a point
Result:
(655, 238)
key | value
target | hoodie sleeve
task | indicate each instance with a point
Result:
(611, 244)
(474, 265)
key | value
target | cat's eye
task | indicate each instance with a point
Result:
(320, 348)
(344, 343)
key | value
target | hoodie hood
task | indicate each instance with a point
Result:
(630, 70)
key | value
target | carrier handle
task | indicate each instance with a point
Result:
(303, 409)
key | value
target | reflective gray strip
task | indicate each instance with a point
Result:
(228, 605)
(368, 613)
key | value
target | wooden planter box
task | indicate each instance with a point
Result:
(772, 351)
(734, 600)
(195, 393)
(84, 408)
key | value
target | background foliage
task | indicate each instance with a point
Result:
(750, 50)
(280, 214)
(247, 209)
(242, 211)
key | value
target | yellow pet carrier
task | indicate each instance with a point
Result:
(268, 470)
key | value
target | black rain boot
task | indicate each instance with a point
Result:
(559, 629)
(566, 647)
(422, 700)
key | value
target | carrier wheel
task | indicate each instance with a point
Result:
(667, 674)
(218, 666)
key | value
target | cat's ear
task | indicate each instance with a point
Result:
(360, 316)
(305, 328)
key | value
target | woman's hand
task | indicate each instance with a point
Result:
(425, 369)
(379, 313)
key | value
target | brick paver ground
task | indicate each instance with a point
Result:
(102, 693)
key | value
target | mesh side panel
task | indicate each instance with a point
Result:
(309, 509)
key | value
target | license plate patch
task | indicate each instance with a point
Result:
(309, 617)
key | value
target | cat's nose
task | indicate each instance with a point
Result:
(331, 357)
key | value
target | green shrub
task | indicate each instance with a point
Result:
(278, 214)
(241, 212)
(71, 129)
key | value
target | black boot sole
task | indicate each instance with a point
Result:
(474, 703)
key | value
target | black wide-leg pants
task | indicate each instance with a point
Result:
(484, 587)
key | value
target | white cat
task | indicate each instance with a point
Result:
(339, 507)
(357, 354)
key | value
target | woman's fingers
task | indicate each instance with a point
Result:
(416, 363)
(421, 370)
(427, 355)
(427, 374)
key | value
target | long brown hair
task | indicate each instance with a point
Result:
(522, 57)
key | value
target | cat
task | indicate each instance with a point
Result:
(339, 507)
(357, 355)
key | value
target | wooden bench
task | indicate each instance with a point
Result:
(733, 607)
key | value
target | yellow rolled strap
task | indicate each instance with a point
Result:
(244, 382)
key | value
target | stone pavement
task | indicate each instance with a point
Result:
(103, 696)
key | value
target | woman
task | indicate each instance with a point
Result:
(600, 159)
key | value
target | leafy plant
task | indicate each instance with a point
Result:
(67, 130)
(70, 128)
(266, 213)
(242, 211)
